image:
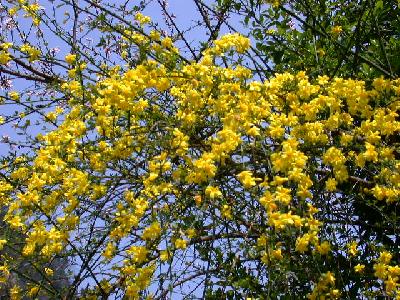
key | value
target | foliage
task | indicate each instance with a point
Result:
(158, 175)
(334, 38)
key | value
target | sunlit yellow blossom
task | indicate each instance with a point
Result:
(70, 58)
(191, 233)
(142, 19)
(226, 211)
(380, 270)
(213, 192)
(277, 254)
(336, 30)
(33, 52)
(33, 291)
(4, 57)
(359, 268)
(198, 200)
(48, 271)
(302, 243)
(152, 232)
(2, 243)
(323, 248)
(331, 185)
(15, 293)
(385, 257)
(164, 255)
(247, 179)
(352, 248)
(180, 244)
(138, 253)
(109, 251)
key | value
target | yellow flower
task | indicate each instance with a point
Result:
(336, 30)
(302, 243)
(277, 254)
(352, 248)
(6, 46)
(33, 53)
(370, 153)
(321, 52)
(152, 232)
(253, 131)
(197, 199)
(380, 270)
(155, 35)
(391, 285)
(213, 192)
(139, 253)
(331, 185)
(4, 57)
(380, 84)
(262, 241)
(283, 195)
(180, 244)
(13, 10)
(52, 116)
(70, 58)
(235, 40)
(15, 293)
(265, 257)
(247, 179)
(329, 277)
(142, 19)
(226, 211)
(15, 222)
(335, 293)
(334, 157)
(394, 270)
(345, 139)
(191, 233)
(385, 257)
(2, 243)
(167, 43)
(164, 255)
(48, 271)
(33, 291)
(323, 248)
(359, 268)
(109, 251)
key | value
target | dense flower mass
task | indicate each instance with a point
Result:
(158, 154)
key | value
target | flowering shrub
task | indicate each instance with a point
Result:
(198, 164)
(174, 177)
